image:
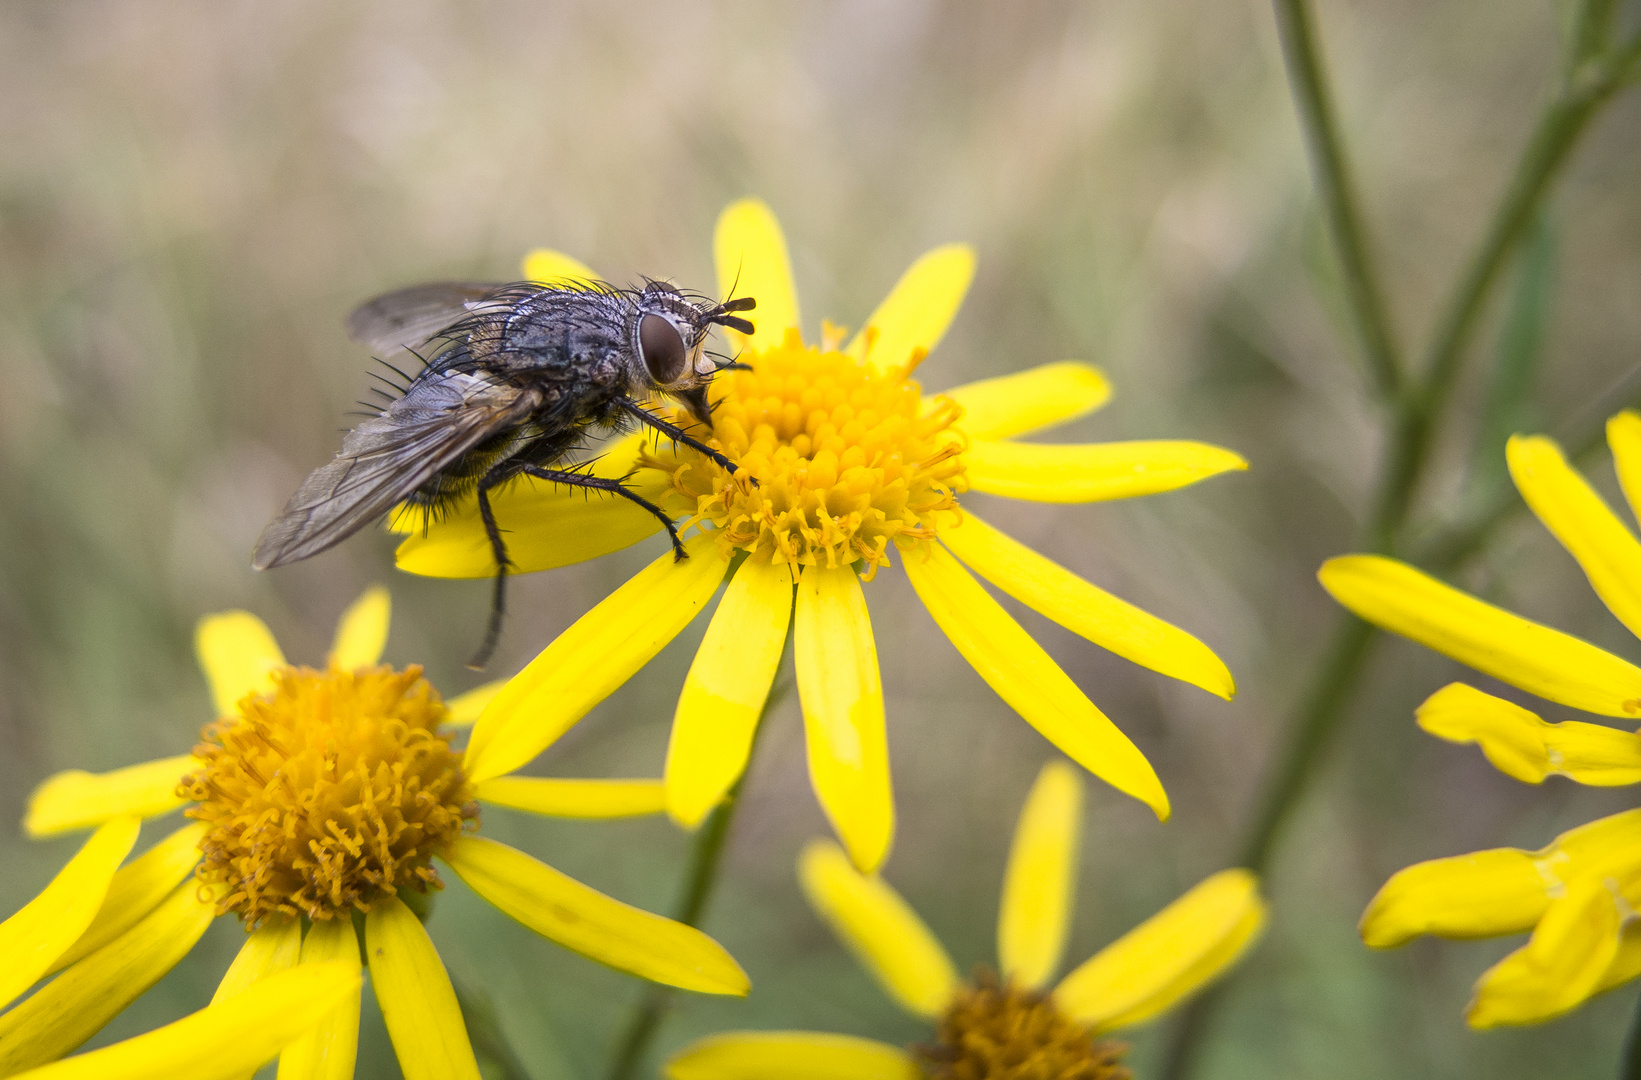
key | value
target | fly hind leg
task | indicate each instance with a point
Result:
(616, 487)
(498, 546)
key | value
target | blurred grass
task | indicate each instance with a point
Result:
(193, 195)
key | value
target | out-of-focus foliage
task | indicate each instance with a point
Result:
(192, 196)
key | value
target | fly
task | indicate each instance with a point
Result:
(515, 379)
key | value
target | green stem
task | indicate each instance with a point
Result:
(1337, 192)
(1629, 1065)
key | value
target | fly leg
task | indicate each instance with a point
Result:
(676, 433)
(498, 599)
(601, 483)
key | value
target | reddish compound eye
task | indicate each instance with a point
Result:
(662, 348)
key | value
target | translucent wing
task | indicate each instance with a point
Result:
(409, 318)
(386, 458)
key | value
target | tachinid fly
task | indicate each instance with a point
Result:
(512, 379)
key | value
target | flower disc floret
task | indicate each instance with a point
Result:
(327, 794)
(845, 464)
(997, 1031)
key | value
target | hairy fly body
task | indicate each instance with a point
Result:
(515, 378)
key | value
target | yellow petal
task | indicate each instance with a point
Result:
(914, 316)
(1520, 744)
(362, 632)
(138, 888)
(238, 654)
(1624, 437)
(417, 1000)
(74, 1006)
(1028, 678)
(327, 1050)
(1085, 609)
(1567, 505)
(223, 1040)
(725, 690)
(46, 926)
(574, 798)
(1174, 953)
(750, 253)
(544, 266)
(546, 524)
(1526, 655)
(466, 708)
(1561, 965)
(1029, 401)
(1041, 879)
(599, 652)
(842, 696)
(1626, 963)
(598, 927)
(80, 800)
(790, 1055)
(880, 928)
(273, 947)
(1092, 472)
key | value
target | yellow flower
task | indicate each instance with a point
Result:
(1012, 1025)
(852, 465)
(1577, 895)
(318, 796)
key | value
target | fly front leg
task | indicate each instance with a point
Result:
(676, 434)
(616, 487)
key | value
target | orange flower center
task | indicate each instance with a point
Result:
(327, 794)
(846, 458)
(997, 1032)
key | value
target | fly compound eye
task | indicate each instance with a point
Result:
(662, 348)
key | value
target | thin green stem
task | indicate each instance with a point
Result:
(1337, 192)
(1629, 1066)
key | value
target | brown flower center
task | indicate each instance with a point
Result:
(997, 1032)
(327, 794)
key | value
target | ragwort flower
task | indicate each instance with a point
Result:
(1008, 1026)
(1577, 896)
(852, 464)
(317, 796)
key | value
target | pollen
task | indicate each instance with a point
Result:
(993, 1031)
(328, 794)
(845, 458)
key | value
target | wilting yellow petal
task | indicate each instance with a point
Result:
(1624, 437)
(599, 652)
(466, 708)
(137, 888)
(417, 1000)
(750, 253)
(1561, 965)
(1521, 745)
(1028, 401)
(1526, 655)
(544, 524)
(362, 632)
(1579, 518)
(880, 928)
(44, 928)
(544, 266)
(914, 316)
(1626, 963)
(1174, 953)
(790, 1055)
(574, 798)
(238, 654)
(1092, 472)
(842, 696)
(1028, 678)
(223, 1040)
(1086, 609)
(273, 947)
(74, 1006)
(725, 690)
(75, 799)
(562, 909)
(327, 1050)
(1041, 879)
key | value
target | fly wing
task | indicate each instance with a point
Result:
(386, 458)
(409, 318)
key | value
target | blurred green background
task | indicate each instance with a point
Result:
(193, 195)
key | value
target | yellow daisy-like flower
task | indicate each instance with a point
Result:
(854, 467)
(1010, 1027)
(317, 796)
(1578, 896)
